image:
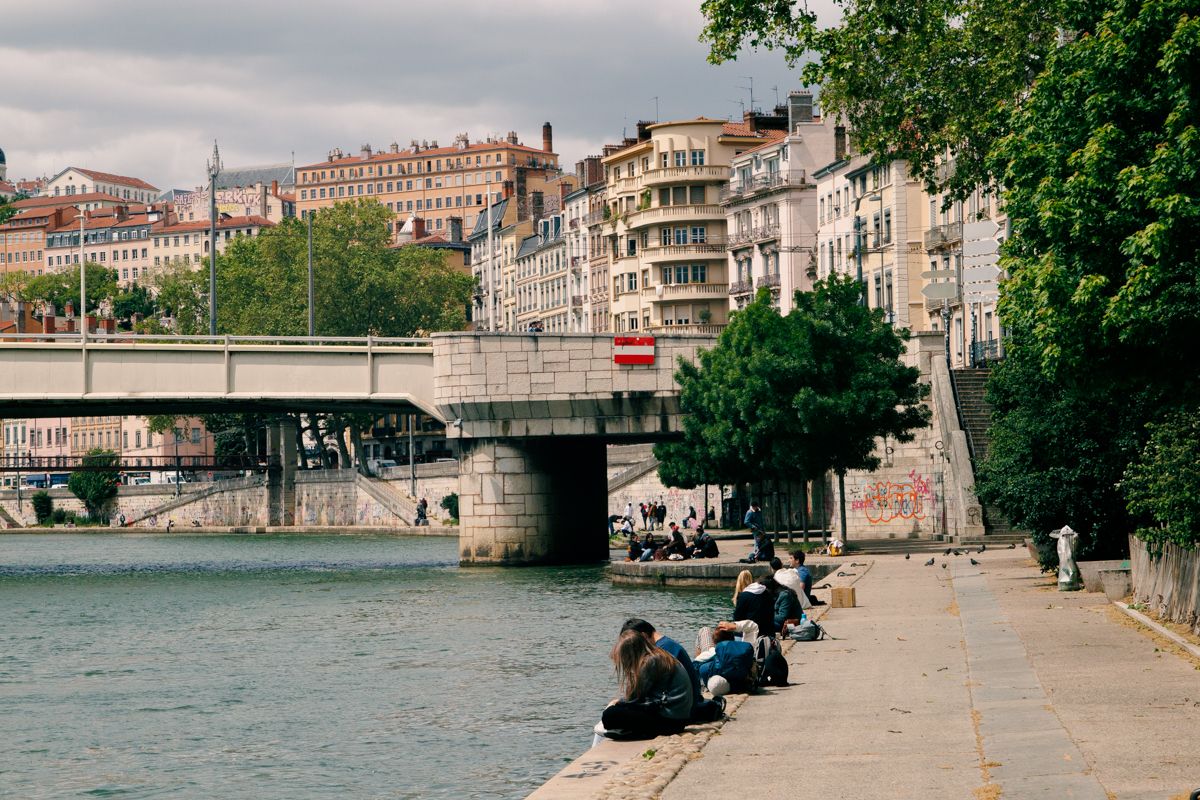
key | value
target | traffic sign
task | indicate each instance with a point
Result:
(981, 229)
(985, 273)
(940, 291)
(937, 274)
(980, 247)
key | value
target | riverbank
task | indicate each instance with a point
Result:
(296, 530)
(965, 681)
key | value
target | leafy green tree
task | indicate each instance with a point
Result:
(60, 288)
(1163, 484)
(134, 299)
(182, 294)
(96, 488)
(915, 81)
(43, 506)
(450, 504)
(7, 211)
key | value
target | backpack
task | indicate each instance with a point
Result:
(772, 666)
(807, 631)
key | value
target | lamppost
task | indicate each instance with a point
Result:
(82, 284)
(214, 169)
(858, 241)
(311, 292)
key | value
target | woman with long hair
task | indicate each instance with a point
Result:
(656, 692)
(744, 579)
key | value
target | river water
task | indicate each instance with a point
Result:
(141, 666)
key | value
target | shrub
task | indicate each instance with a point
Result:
(450, 504)
(43, 506)
(60, 515)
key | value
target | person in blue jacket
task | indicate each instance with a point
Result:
(733, 661)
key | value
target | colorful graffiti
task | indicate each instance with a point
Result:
(885, 501)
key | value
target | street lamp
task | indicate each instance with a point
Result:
(82, 283)
(858, 241)
(214, 169)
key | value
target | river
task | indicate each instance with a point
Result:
(146, 666)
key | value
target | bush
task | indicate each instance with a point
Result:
(450, 504)
(60, 516)
(43, 506)
(1163, 485)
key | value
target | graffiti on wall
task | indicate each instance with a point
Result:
(236, 202)
(886, 501)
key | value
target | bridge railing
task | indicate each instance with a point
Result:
(220, 341)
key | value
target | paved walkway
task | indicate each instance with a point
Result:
(965, 682)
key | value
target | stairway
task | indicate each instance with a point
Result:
(404, 507)
(7, 520)
(975, 414)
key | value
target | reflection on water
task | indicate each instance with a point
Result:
(301, 667)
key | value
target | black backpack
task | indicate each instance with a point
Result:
(772, 666)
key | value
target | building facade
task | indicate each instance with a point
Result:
(74, 181)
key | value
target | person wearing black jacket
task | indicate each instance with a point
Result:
(757, 603)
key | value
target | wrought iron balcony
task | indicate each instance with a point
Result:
(741, 287)
(767, 280)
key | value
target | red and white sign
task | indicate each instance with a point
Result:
(633, 349)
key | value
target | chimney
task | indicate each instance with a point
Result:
(70, 328)
(109, 324)
(512, 137)
(456, 229)
(275, 188)
(800, 109)
(70, 310)
(418, 228)
(394, 148)
(48, 321)
(506, 189)
(839, 142)
(547, 137)
(20, 317)
(366, 151)
(643, 130)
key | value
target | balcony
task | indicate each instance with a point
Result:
(741, 287)
(695, 329)
(942, 236)
(686, 213)
(713, 248)
(698, 174)
(625, 185)
(762, 233)
(576, 301)
(767, 280)
(574, 223)
(594, 217)
(683, 291)
(741, 191)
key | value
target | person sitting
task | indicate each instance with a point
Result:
(763, 550)
(677, 545)
(656, 693)
(756, 602)
(702, 710)
(788, 578)
(704, 545)
(649, 546)
(627, 526)
(788, 608)
(728, 666)
(634, 553)
(805, 576)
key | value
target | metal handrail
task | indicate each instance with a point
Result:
(156, 338)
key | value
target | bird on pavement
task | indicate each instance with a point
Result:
(983, 547)
(957, 553)
(943, 565)
(931, 562)
(974, 563)
(1012, 546)
(947, 551)
(907, 556)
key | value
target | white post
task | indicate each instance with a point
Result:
(82, 284)
(491, 263)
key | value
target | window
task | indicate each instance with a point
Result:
(137, 439)
(632, 281)
(681, 158)
(699, 234)
(887, 225)
(697, 158)
(195, 436)
(681, 235)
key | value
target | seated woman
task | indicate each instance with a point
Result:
(677, 543)
(703, 545)
(731, 659)
(757, 602)
(649, 545)
(656, 693)
(788, 608)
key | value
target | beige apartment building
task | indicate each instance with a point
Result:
(432, 182)
(188, 242)
(665, 227)
(23, 237)
(117, 238)
(76, 181)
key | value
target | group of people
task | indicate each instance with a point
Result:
(422, 512)
(662, 686)
(674, 547)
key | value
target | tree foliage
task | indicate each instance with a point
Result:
(1163, 485)
(43, 506)
(60, 288)
(789, 397)
(96, 488)
(915, 80)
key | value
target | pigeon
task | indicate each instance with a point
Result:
(931, 562)
(983, 547)
(1012, 546)
(907, 556)
(943, 565)
(947, 552)
(974, 563)
(957, 553)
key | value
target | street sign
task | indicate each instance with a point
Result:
(980, 247)
(633, 349)
(940, 291)
(984, 273)
(937, 274)
(981, 229)
(981, 295)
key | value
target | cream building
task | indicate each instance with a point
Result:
(117, 238)
(665, 227)
(188, 242)
(543, 280)
(78, 181)
(772, 208)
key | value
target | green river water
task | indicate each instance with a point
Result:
(146, 666)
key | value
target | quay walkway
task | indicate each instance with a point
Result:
(976, 682)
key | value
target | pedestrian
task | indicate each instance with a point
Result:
(661, 514)
(645, 509)
(629, 510)
(753, 519)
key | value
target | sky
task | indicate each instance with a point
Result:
(143, 89)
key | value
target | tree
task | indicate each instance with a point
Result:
(43, 506)
(792, 397)
(59, 288)
(95, 488)
(916, 81)
(1163, 484)
(182, 294)
(7, 211)
(1101, 189)
(133, 299)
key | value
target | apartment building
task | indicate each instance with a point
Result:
(74, 181)
(772, 209)
(117, 238)
(23, 238)
(664, 225)
(262, 191)
(495, 241)
(188, 242)
(434, 182)
(543, 298)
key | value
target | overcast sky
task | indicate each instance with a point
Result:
(142, 88)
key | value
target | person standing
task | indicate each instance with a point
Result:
(661, 514)
(629, 510)
(645, 509)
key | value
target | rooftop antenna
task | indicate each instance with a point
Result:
(741, 103)
(655, 99)
(751, 88)
(776, 90)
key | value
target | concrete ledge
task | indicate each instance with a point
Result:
(697, 573)
(1159, 629)
(313, 530)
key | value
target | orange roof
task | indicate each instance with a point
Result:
(433, 151)
(743, 129)
(253, 221)
(109, 177)
(771, 140)
(68, 200)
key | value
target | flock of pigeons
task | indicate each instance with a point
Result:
(951, 550)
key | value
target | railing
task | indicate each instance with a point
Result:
(574, 223)
(742, 190)
(716, 245)
(767, 280)
(705, 329)
(741, 287)
(704, 172)
(650, 215)
(593, 217)
(222, 341)
(576, 301)
(761, 233)
(683, 291)
(943, 235)
(984, 352)
(183, 463)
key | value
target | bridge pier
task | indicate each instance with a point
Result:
(532, 501)
(281, 475)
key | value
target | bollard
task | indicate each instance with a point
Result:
(1068, 570)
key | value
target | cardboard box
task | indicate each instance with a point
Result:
(843, 597)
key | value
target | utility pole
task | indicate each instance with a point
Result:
(412, 463)
(82, 284)
(214, 169)
(491, 264)
(311, 308)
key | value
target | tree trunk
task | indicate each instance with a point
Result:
(804, 508)
(777, 505)
(359, 462)
(842, 500)
(343, 450)
(788, 495)
(302, 453)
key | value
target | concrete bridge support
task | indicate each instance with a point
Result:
(281, 474)
(532, 501)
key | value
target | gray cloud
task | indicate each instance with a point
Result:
(142, 89)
